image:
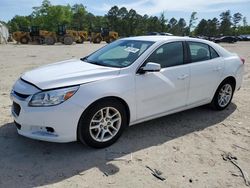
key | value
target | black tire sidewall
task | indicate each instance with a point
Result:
(98, 40)
(84, 123)
(215, 101)
(24, 40)
(68, 40)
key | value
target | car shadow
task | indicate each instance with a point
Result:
(25, 162)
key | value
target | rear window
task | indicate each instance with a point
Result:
(213, 53)
(201, 52)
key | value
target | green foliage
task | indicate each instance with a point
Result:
(126, 22)
(208, 27)
(47, 15)
(243, 30)
(79, 16)
(19, 23)
(192, 22)
(225, 25)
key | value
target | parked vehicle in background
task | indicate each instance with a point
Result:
(244, 37)
(159, 33)
(152, 33)
(166, 34)
(35, 35)
(132, 80)
(227, 39)
(103, 34)
(67, 36)
(83, 36)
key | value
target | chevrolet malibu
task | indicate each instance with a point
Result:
(129, 81)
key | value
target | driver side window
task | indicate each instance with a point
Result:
(168, 55)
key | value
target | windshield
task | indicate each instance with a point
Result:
(120, 53)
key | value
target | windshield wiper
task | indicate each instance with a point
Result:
(83, 58)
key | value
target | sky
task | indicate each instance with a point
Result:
(205, 8)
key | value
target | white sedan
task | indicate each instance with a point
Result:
(126, 82)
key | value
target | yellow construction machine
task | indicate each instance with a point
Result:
(34, 35)
(83, 36)
(67, 36)
(103, 35)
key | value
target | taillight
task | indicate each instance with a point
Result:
(242, 60)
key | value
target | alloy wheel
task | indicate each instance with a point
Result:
(105, 124)
(225, 95)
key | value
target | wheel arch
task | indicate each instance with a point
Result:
(124, 103)
(227, 78)
(230, 79)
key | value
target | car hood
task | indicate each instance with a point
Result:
(68, 73)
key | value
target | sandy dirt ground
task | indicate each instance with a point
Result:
(186, 147)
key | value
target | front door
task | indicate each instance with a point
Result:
(160, 92)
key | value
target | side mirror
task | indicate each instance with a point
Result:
(151, 67)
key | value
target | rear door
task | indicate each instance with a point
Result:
(205, 69)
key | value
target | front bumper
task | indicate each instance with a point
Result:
(54, 124)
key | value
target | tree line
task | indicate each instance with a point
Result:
(127, 22)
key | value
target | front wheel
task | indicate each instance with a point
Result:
(223, 95)
(97, 40)
(102, 124)
(24, 40)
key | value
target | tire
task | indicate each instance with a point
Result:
(223, 95)
(24, 40)
(50, 41)
(41, 40)
(68, 40)
(97, 40)
(112, 39)
(95, 131)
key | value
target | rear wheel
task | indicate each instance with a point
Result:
(68, 40)
(24, 40)
(41, 40)
(223, 95)
(112, 39)
(102, 124)
(50, 41)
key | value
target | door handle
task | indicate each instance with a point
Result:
(183, 77)
(217, 68)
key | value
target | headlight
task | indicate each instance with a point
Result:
(52, 97)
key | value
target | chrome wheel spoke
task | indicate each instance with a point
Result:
(115, 120)
(102, 115)
(98, 133)
(108, 131)
(95, 127)
(225, 95)
(95, 121)
(105, 124)
(112, 127)
(107, 112)
(102, 135)
(114, 115)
